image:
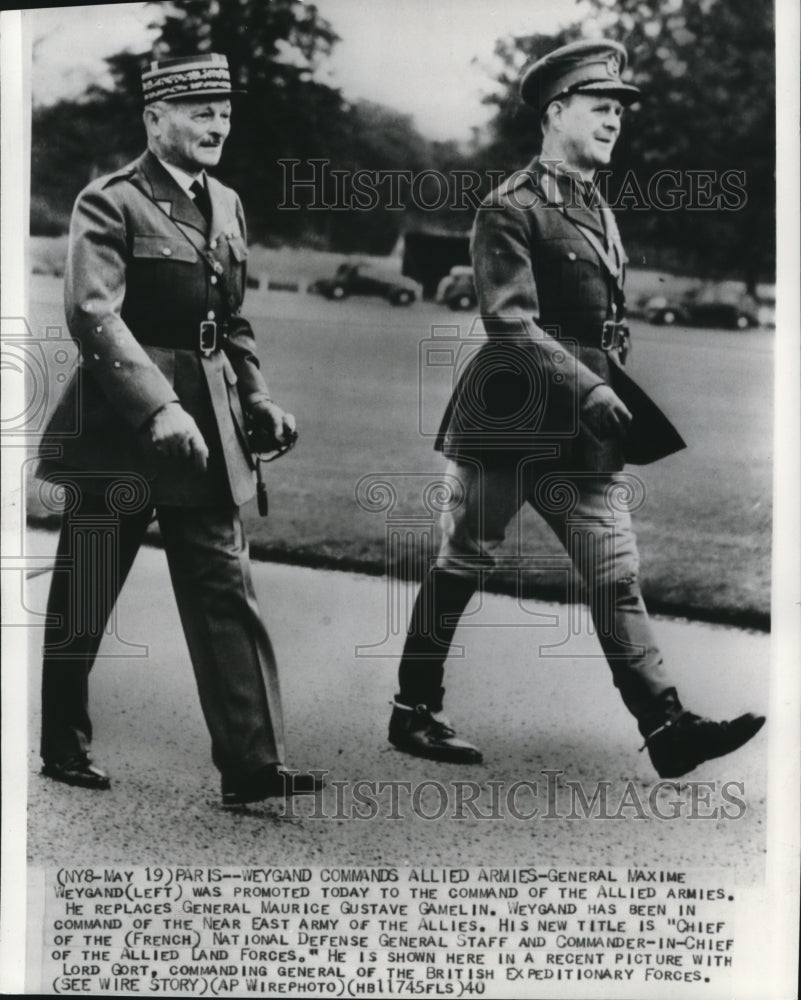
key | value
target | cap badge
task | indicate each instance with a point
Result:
(613, 65)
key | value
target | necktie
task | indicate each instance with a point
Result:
(202, 200)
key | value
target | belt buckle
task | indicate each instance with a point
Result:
(207, 340)
(609, 338)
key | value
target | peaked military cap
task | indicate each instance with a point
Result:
(587, 67)
(204, 75)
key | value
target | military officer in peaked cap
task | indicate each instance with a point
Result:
(166, 392)
(544, 414)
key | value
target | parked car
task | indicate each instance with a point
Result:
(457, 289)
(366, 279)
(692, 311)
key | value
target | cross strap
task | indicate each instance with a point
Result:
(609, 258)
(613, 260)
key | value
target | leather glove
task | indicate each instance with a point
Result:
(269, 427)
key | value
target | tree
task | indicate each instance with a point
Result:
(75, 141)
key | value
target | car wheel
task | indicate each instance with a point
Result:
(742, 323)
(402, 298)
(668, 317)
(338, 292)
(462, 302)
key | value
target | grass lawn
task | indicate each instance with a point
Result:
(351, 373)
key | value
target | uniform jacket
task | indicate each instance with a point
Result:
(544, 294)
(136, 278)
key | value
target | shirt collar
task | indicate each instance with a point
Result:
(181, 177)
(571, 180)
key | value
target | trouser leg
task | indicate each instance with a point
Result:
(440, 602)
(476, 525)
(596, 530)
(231, 652)
(96, 549)
(627, 639)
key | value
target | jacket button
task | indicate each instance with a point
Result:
(218, 267)
(213, 279)
(166, 251)
(213, 245)
(210, 314)
(571, 256)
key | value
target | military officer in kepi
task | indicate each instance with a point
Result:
(544, 414)
(170, 405)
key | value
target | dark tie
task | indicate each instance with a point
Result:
(201, 196)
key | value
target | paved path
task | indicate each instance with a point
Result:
(530, 709)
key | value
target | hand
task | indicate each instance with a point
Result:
(174, 434)
(271, 428)
(604, 413)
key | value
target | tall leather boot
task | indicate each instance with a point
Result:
(417, 725)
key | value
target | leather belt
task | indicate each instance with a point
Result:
(614, 335)
(206, 338)
(611, 335)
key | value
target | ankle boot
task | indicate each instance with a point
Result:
(678, 741)
(423, 732)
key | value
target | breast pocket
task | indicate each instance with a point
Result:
(165, 280)
(165, 249)
(569, 275)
